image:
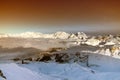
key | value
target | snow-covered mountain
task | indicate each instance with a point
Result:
(78, 37)
(31, 39)
(88, 57)
(57, 35)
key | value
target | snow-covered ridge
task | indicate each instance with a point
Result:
(59, 35)
(79, 37)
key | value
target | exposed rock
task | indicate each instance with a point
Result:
(73, 36)
(81, 35)
(16, 59)
(114, 50)
(2, 75)
(23, 62)
(45, 58)
(29, 59)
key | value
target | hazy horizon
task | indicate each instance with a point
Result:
(49, 16)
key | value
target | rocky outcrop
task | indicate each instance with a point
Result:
(2, 75)
(59, 57)
(81, 35)
(73, 36)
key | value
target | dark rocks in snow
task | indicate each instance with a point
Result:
(23, 62)
(61, 58)
(16, 59)
(29, 59)
(2, 75)
(92, 71)
(57, 57)
(45, 58)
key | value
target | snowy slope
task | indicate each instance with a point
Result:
(14, 72)
(71, 71)
(55, 71)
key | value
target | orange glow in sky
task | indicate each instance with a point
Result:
(59, 12)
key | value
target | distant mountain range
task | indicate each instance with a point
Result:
(57, 35)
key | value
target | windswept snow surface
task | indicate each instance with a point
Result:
(72, 71)
(14, 72)
(54, 71)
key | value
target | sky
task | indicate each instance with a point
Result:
(48, 16)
